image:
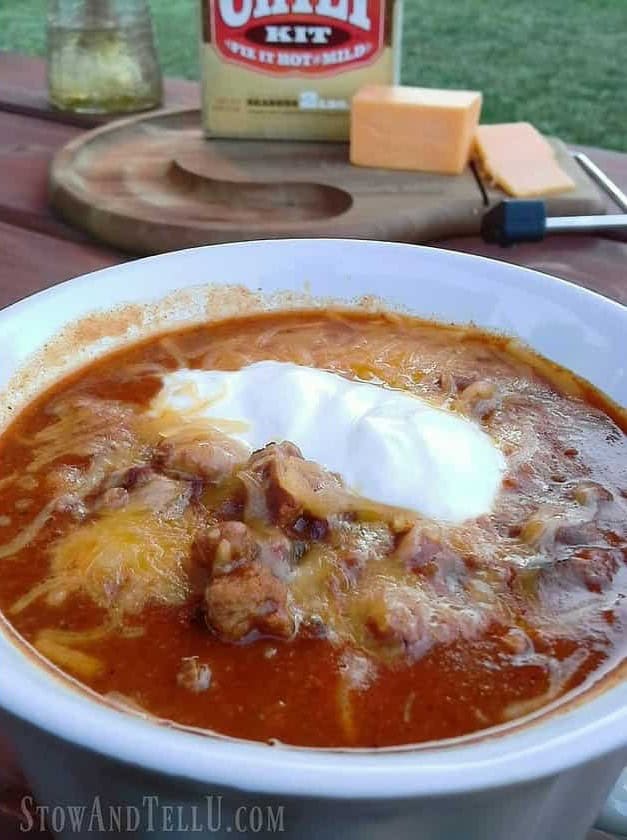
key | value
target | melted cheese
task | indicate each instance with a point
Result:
(122, 560)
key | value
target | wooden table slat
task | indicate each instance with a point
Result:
(32, 261)
(592, 262)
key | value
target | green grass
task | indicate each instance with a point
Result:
(557, 63)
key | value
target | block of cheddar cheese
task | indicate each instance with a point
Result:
(517, 158)
(423, 129)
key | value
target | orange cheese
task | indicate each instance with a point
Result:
(425, 129)
(517, 158)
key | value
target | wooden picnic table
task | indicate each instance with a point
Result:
(38, 250)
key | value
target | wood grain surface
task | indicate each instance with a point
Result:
(153, 183)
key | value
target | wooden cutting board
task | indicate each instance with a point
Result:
(152, 183)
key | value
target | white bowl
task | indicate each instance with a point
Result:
(547, 779)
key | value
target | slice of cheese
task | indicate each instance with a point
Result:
(423, 129)
(517, 158)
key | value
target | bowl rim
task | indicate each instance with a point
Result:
(530, 752)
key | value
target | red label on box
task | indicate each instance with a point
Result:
(283, 37)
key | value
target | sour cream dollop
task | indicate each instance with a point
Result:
(388, 445)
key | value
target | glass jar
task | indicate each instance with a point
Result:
(102, 57)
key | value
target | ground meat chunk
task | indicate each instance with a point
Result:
(142, 487)
(424, 554)
(225, 547)
(114, 491)
(231, 545)
(270, 494)
(406, 619)
(162, 495)
(275, 551)
(301, 497)
(397, 619)
(246, 601)
(212, 459)
(416, 548)
(247, 590)
(194, 675)
(358, 544)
